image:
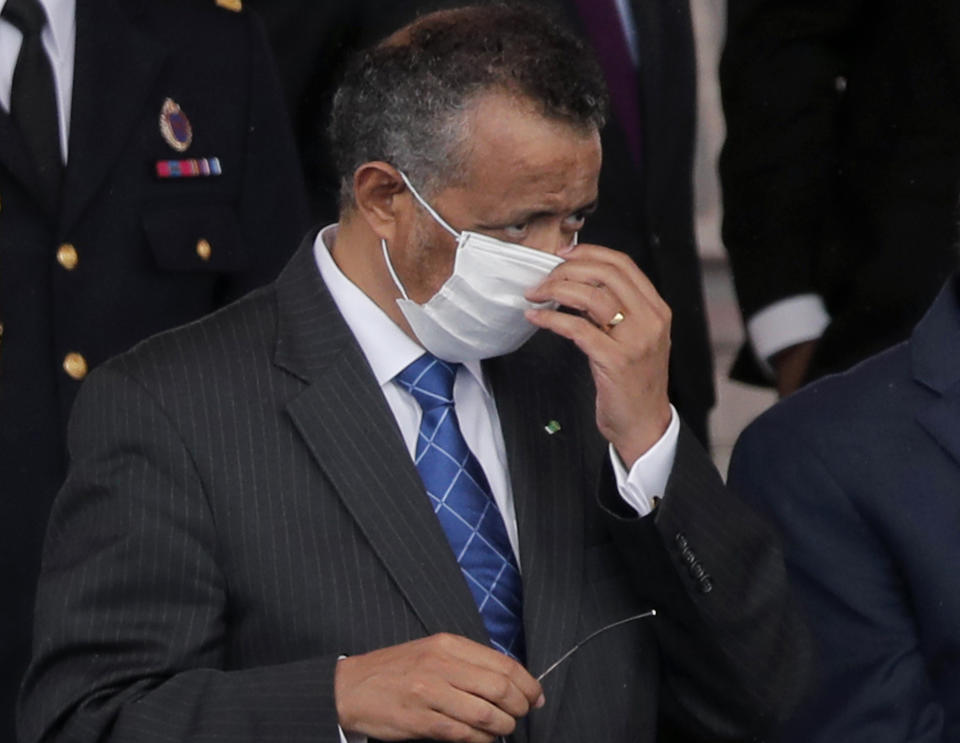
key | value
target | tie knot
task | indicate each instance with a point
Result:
(27, 15)
(430, 381)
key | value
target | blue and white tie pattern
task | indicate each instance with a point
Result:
(461, 498)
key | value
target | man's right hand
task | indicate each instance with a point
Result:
(443, 687)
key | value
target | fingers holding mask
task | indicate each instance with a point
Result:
(599, 283)
(623, 326)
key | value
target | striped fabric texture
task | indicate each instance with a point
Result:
(241, 510)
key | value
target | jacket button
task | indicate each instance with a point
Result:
(689, 557)
(67, 256)
(706, 585)
(204, 251)
(681, 540)
(75, 366)
(697, 572)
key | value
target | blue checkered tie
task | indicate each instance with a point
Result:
(461, 498)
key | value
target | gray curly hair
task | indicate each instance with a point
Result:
(405, 100)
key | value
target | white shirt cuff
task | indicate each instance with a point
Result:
(786, 323)
(344, 738)
(648, 476)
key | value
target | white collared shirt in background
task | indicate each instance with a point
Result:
(59, 41)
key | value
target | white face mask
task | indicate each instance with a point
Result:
(478, 312)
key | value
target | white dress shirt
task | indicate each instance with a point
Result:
(389, 350)
(59, 39)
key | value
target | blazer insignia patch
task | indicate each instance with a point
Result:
(175, 126)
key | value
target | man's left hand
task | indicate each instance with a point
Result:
(623, 327)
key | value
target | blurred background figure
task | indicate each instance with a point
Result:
(646, 187)
(145, 161)
(840, 175)
(861, 471)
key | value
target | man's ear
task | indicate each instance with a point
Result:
(376, 188)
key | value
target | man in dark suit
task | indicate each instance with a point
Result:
(841, 175)
(120, 248)
(862, 473)
(263, 536)
(646, 189)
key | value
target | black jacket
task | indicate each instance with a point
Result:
(135, 237)
(841, 170)
(241, 510)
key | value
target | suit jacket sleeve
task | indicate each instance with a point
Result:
(133, 606)
(781, 160)
(872, 680)
(735, 654)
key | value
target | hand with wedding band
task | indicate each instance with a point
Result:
(623, 326)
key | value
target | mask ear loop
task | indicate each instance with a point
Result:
(430, 210)
(393, 274)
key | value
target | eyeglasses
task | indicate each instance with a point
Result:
(553, 666)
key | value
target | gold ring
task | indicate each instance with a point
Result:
(614, 321)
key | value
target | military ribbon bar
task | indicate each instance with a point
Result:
(192, 168)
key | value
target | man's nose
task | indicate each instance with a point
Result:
(555, 241)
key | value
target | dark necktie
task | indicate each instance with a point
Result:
(33, 99)
(601, 20)
(461, 498)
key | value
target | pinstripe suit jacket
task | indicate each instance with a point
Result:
(241, 510)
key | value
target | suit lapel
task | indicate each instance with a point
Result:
(942, 421)
(116, 65)
(348, 427)
(936, 365)
(549, 506)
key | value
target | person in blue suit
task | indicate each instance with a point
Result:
(862, 473)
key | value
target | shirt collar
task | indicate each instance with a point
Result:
(388, 349)
(61, 21)
(61, 15)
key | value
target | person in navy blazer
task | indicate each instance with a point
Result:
(127, 253)
(244, 549)
(862, 473)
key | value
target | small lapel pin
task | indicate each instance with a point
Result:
(175, 126)
(552, 427)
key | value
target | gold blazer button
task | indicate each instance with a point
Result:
(75, 366)
(204, 250)
(67, 256)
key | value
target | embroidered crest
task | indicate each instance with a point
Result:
(175, 126)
